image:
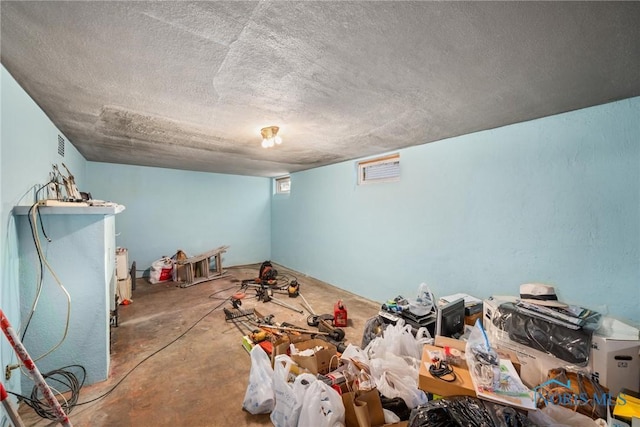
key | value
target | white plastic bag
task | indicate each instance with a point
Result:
(397, 376)
(394, 361)
(259, 397)
(289, 396)
(398, 340)
(390, 417)
(161, 270)
(391, 385)
(353, 352)
(322, 407)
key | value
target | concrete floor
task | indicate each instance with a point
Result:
(175, 361)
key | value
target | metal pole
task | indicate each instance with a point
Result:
(307, 304)
(284, 304)
(35, 374)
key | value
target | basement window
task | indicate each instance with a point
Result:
(380, 169)
(283, 185)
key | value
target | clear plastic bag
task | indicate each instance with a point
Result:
(572, 344)
(482, 360)
(424, 302)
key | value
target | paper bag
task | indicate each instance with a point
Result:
(363, 409)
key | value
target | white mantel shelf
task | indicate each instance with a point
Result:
(70, 210)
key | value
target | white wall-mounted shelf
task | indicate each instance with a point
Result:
(71, 210)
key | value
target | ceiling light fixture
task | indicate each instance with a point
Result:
(270, 136)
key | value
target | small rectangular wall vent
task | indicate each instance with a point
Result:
(381, 169)
(61, 145)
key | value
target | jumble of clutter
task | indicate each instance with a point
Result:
(519, 361)
(186, 270)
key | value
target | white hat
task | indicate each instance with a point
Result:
(541, 294)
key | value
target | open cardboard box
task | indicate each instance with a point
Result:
(462, 386)
(321, 362)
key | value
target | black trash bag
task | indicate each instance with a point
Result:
(433, 414)
(397, 406)
(465, 411)
(469, 411)
(506, 416)
(373, 328)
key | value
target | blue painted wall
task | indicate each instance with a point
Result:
(168, 209)
(555, 200)
(29, 146)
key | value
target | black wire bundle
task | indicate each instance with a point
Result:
(63, 381)
(442, 371)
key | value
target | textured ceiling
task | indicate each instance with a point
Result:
(188, 85)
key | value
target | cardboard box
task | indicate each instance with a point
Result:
(428, 383)
(471, 319)
(615, 358)
(281, 345)
(321, 361)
